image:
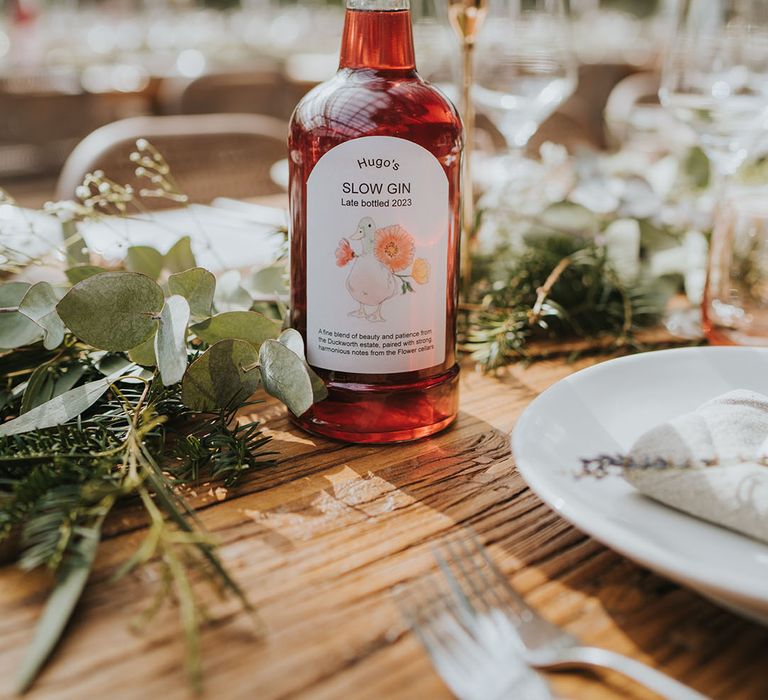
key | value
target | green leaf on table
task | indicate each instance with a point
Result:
(250, 326)
(144, 353)
(180, 257)
(113, 310)
(285, 376)
(270, 281)
(230, 295)
(70, 583)
(16, 329)
(144, 259)
(39, 389)
(39, 304)
(74, 244)
(171, 340)
(292, 339)
(59, 409)
(197, 286)
(78, 273)
(224, 376)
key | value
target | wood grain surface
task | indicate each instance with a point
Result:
(319, 540)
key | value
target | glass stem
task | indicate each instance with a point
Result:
(718, 182)
(468, 202)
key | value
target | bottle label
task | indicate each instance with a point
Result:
(377, 257)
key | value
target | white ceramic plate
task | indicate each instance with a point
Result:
(603, 409)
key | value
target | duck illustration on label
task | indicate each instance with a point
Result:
(379, 271)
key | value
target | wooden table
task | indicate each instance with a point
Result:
(319, 540)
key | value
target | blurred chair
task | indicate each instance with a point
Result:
(39, 128)
(630, 99)
(596, 82)
(209, 155)
(566, 129)
(260, 91)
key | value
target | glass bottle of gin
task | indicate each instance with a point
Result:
(375, 157)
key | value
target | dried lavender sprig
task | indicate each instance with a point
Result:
(616, 464)
(607, 464)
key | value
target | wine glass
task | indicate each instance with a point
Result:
(715, 81)
(715, 78)
(735, 305)
(525, 66)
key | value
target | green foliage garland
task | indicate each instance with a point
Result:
(122, 388)
(559, 286)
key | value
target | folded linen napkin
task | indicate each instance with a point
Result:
(724, 446)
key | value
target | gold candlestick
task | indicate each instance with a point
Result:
(466, 17)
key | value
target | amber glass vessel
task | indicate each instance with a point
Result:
(393, 283)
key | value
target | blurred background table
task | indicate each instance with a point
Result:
(67, 68)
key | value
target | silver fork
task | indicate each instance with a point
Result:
(479, 587)
(478, 656)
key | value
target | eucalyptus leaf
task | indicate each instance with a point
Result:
(11, 293)
(197, 286)
(250, 326)
(39, 304)
(144, 259)
(67, 380)
(270, 281)
(695, 167)
(171, 340)
(144, 353)
(78, 273)
(230, 295)
(39, 388)
(74, 245)
(282, 311)
(113, 310)
(53, 328)
(180, 256)
(63, 407)
(60, 604)
(59, 409)
(569, 217)
(111, 363)
(292, 339)
(16, 329)
(286, 377)
(224, 376)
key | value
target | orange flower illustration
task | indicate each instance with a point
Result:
(344, 253)
(420, 271)
(394, 247)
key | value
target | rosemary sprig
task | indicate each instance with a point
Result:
(557, 287)
(58, 484)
